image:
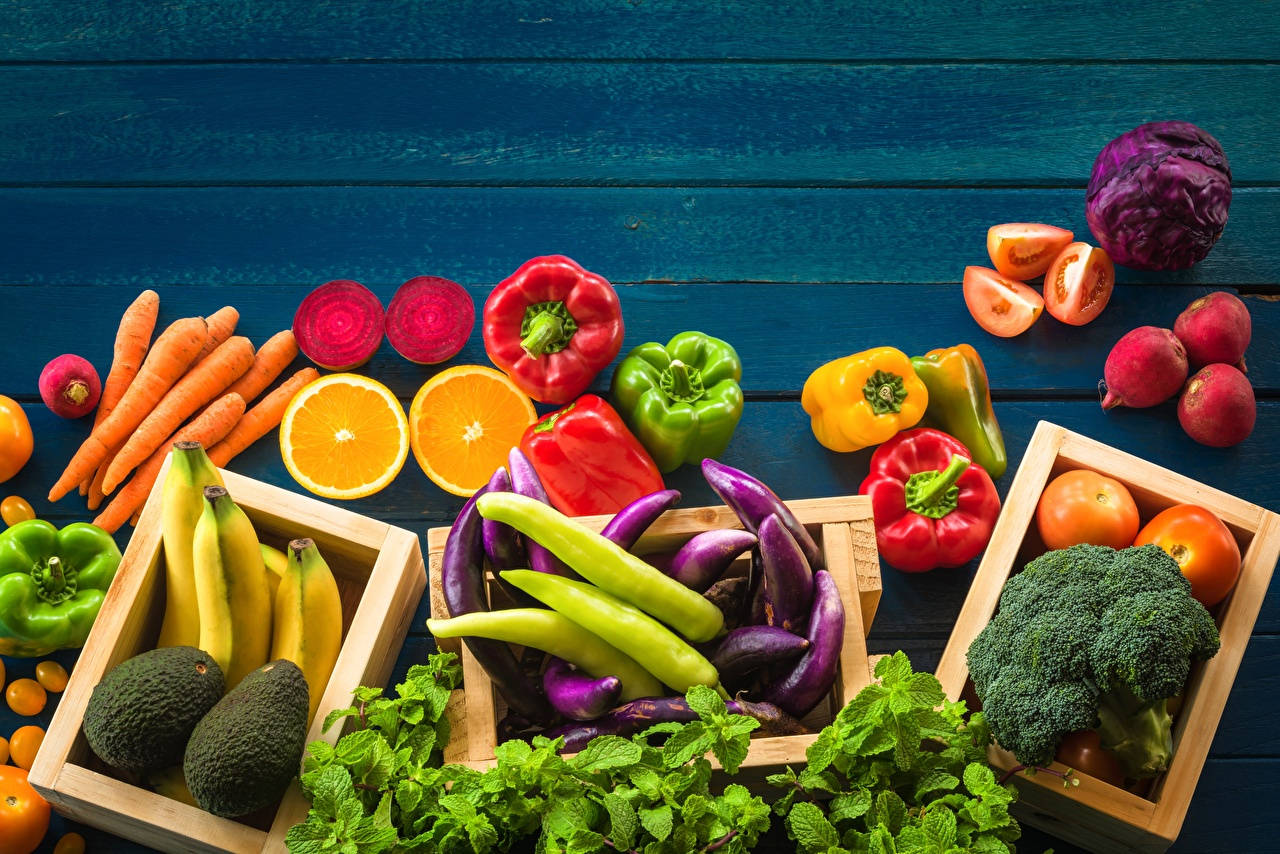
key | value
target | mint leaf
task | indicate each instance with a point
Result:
(685, 744)
(935, 781)
(810, 829)
(657, 821)
(940, 825)
(607, 751)
(849, 806)
(893, 669)
(623, 821)
(705, 702)
(824, 749)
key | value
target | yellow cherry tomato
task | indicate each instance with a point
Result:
(52, 676)
(15, 438)
(1, 672)
(24, 744)
(4, 750)
(25, 697)
(70, 843)
(15, 509)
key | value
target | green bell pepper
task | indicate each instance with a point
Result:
(960, 403)
(683, 400)
(52, 583)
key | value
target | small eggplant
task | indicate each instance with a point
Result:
(750, 647)
(752, 501)
(639, 715)
(501, 542)
(809, 681)
(786, 582)
(730, 596)
(462, 583)
(576, 695)
(524, 481)
(631, 521)
(706, 557)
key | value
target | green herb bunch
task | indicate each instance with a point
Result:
(899, 770)
(382, 788)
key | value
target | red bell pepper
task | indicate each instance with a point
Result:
(933, 506)
(587, 459)
(552, 326)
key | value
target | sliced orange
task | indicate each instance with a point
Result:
(462, 424)
(344, 436)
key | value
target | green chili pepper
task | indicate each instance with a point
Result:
(52, 583)
(607, 565)
(555, 633)
(960, 403)
(682, 401)
(655, 647)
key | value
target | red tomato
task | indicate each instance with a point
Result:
(1024, 250)
(1083, 751)
(1202, 546)
(1078, 284)
(24, 815)
(999, 304)
(1083, 506)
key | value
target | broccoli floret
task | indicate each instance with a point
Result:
(1090, 637)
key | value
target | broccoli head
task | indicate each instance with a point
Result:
(1090, 637)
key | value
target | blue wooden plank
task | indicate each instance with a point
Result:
(591, 123)
(382, 236)
(80, 30)
(807, 325)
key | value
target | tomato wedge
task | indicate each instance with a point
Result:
(999, 304)
(1024, 250)
(1079, 283)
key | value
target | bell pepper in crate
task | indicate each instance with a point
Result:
(552, 326)
(960, 403)
(932, 506)
(863, 399)
(683, 400)
(52, 583)
(587, 459)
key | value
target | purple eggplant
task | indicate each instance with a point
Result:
(786, 582)
(638, 715)
(706, 557)
(753, 501)
(730, 596)
(576, 695)
(751, 647)
(462, 583)
(812, 677)
(525, 481)
(501, 542)
(631, 521)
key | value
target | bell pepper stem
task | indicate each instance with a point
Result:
(55, 578)
(680, 385)
(544, 329)
(933, 493)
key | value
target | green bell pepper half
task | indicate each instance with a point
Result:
(682, 401)
(52, 583)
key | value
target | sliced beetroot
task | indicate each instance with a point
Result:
(339, 325)
(430, 319)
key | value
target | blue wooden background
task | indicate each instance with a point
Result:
(804, 180)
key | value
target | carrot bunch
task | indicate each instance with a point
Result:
(193, 383)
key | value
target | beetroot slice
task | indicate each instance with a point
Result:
(339, 325)
(430, 319)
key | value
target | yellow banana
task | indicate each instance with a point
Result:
(190, 471)
(231, 588)
(308, 618)
(276, 563)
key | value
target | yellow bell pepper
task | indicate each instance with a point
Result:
(864, 399)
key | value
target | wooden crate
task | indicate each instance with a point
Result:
(380, 576)
(1096, 815)
(843, 528)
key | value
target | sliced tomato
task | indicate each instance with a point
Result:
(1079, 283)
(999, 304)
(1024, 250)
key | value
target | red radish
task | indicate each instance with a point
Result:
(1217, 408)
(1145, 367)
(1215, 328)
(70, 386)
(429, 319)
(339, 325)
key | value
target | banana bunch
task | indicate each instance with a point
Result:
(242, 602)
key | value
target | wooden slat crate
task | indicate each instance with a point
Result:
(1097, 815)
(380, 576)
(843, 528)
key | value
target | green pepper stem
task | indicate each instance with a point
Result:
(885, 392)
(544, 330)
(56, 579)
(680, 386)
(934, 493)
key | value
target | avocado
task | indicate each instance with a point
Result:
(245, 751)
(143, 711)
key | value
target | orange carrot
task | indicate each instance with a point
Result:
(95, 486)
(202, 384)
(271, 360)
(262, 419)
(214, 423)
(221, 324)
(132, 339)
(164, 365)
